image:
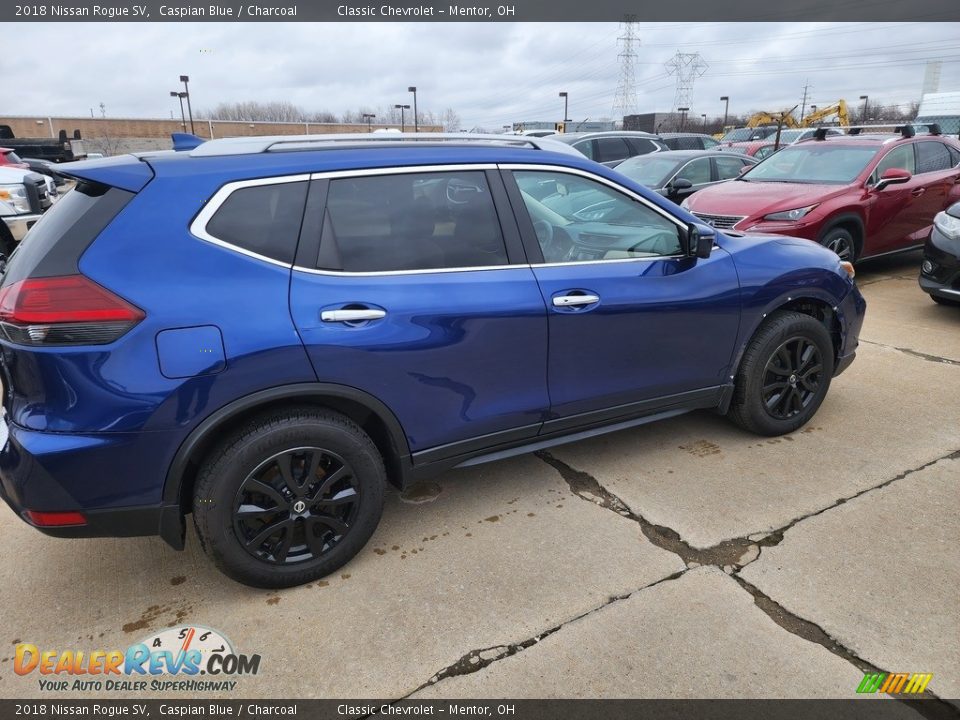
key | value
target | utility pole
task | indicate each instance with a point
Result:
(803, 102)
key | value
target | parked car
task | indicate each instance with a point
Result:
(24, 197)
(758, 149)
(8, 158)
(612, 148)
(748, 134)
(266, 331)
(678, 173)
(859, 195)
(789, 136)
(940, 271)
(688, 141)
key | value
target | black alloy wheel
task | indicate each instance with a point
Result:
(296, 506)
(791, 378)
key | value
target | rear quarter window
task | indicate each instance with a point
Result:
(262, 219)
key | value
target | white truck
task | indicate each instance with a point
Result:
(942, 109)
(24, 197)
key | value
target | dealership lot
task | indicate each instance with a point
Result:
(683, 559)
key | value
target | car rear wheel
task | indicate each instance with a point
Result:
(841, 241)
(289, 498)
(784, 375)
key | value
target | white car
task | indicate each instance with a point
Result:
(24, 197)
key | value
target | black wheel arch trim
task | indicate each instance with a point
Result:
(844, 218)
(306, 392)
(780, 303)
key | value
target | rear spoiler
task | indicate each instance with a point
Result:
(127, 172)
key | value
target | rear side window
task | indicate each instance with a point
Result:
(410, 221)
(642, 146)
(932, 156)
(262, 219)
(611, 149)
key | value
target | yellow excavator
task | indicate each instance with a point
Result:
(839, 109)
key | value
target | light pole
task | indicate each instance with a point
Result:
(566, 106)
(704, 116)
(726, 108)
(183, 118)
(186, 93)
(416, 122)
(683, 117)
(865, 98)
(401, 108)
(369, 118)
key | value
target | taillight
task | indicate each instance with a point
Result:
(64, 310)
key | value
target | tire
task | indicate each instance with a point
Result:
(945, 301)
(841, 241)
(311, 476)
(778, 354)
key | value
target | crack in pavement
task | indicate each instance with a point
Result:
(729, 555)
(914, 353)
(476, 660)
(884, 278)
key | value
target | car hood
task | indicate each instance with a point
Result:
(740, 197)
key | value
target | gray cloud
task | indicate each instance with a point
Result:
(490, 74)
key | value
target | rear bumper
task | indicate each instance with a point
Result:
(60, 472)
(19, 224)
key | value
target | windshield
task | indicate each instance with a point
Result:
(812, 163)
(648, 170)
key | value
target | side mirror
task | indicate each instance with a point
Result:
(700, 240)
(680, 184)
(892, 176)
(742, 170)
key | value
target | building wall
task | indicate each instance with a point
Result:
(129, 132)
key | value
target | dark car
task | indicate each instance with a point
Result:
(613, 147)
(48, 168)
(940, 271)
(688, 141)
(266, 331)
(678, 173)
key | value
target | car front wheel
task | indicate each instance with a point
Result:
(784, 374)
(289, 498)
(841, 242)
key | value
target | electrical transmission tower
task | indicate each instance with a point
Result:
(625, 101)
(687, 67)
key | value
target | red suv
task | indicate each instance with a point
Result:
(859, 195)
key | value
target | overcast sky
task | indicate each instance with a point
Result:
(490, 74)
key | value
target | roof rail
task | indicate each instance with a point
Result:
(280, 143)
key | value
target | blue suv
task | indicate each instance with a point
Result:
(264, 332)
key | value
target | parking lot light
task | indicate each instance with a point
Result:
(183, 118)
(186, 93)
(865, 99)
(369, 117)
(726, 108)
(566, 106)
(401, 108)
(416, 123)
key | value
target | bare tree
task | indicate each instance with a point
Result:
(450, 120)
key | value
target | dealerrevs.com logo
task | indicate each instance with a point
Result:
(173, 659)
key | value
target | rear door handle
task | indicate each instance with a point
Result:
(351, 315)
(917, 192)
(573, 300)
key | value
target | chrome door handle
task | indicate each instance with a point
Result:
(569, 300)
(351, 315)
(917, 192)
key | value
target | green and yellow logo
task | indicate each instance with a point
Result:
(912, 683)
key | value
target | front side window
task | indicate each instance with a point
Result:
(410, 221)
(900, 157)
(696, 171)
(263, 219)
(586, 147)
(728, 167)
(932, 156)
(585, 220)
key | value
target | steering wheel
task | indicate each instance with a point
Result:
(544, 231)
(594, 212)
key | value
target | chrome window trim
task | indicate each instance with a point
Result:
(198, 227)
